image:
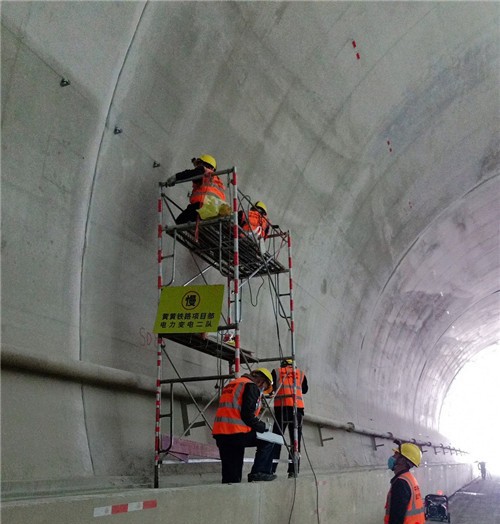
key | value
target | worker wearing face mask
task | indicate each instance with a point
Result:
(404, 501)
(236, 425)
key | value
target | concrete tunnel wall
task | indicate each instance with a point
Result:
(384, 167)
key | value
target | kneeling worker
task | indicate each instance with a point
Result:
(404, 501)
(236, 424)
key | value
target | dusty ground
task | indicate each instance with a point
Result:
(477, 503)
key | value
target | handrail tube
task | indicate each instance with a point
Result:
(351, 428)
(95, 374)
(195, 379)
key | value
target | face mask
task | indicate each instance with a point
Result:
(391, 463)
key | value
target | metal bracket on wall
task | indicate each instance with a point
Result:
(185, 418)
(323, 440)
(441, 447)
(375, 445)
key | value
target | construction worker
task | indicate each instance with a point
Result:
(482, 467)
(236, 425)
(283, 380)
(208, 185)
(256, 223)
(404, 501)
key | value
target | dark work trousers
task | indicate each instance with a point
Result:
(284, 419)
(190, 214)
(232, 453)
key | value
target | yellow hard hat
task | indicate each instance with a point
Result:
(262, 206)
(209, 159)
(410, 451)
(267, 374)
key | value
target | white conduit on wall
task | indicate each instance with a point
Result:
(97, 375)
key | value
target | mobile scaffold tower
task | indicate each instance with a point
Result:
(238, 256)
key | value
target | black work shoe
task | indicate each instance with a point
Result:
(292, 475)
(256, 477)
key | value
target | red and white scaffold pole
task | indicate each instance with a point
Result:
(292, 341)
(158, 341)
(236, 275)
(229, 313)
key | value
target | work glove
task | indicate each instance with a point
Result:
(171, 181)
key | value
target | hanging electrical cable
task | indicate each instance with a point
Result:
(258, 291)
(315, 478)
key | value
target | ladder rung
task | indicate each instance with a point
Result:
(224, 328)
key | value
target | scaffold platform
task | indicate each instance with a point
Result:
(238, 253)
(212, 241)
(209, 346)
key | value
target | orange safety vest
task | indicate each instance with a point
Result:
(228, 416)
(415, 510)
(284, 395)
(256, 222)
(209, 185)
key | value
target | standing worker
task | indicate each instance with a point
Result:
(208, 185)
(283, 379)
(482, 466)
(236, 425)
(404, 501)
(255, 222)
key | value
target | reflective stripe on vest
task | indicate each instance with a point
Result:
(257, 223)
(209, 185)
(284, 395)
(415, 509)
(228, 416)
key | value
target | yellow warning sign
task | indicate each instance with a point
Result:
(189, 309)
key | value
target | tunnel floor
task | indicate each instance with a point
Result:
(477, 503)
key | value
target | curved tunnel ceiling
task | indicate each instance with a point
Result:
(439, 307)
(369, 129)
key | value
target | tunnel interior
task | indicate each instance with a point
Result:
(369, 129)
